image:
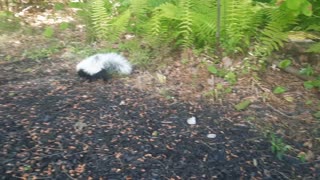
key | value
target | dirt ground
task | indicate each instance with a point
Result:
(54, 126)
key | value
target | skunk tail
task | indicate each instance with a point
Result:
(103, 66)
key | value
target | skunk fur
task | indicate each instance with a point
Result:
(103, 66)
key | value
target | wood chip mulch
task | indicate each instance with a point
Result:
(56, 127)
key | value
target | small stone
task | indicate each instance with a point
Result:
(192, 120)
(211, 136)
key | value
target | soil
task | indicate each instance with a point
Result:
(55, 126)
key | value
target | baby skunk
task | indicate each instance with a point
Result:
(103, 66)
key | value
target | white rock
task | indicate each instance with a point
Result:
(192, 120)
(122, 103)
(211, 136)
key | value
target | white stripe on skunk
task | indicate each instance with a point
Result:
(103, 66)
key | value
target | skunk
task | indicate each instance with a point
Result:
(103, 66)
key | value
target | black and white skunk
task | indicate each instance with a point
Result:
(103, 66)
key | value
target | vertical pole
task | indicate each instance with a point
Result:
(218, 28)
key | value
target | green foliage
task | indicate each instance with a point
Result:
(317, 115)
(186, 23)
(219, 91)
(315, 48)
(8, 22)
(64, 26)
(239, 21)
(192, 23)
(101, 16)
(284, 63)
(299, 6)
(48, 32)
(139, 55)
(242, 105)
(276, 30)
(231, 77)
(219, 72)
(185, 26)
(302, 156)
(312, 84)
(278, 147)
(308, 71)
(212, 69)
(41, 53)
(279, 90)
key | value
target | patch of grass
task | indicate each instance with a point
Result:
(42, 53)
(219, 91)
(8, 22)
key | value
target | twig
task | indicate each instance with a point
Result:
(278, 111)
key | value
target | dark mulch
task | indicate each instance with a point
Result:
(53, 127)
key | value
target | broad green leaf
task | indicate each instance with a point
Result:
(279, 90)
(212, 69)
(293, 4)
(306, 8)
(284, 64)
(242, 105)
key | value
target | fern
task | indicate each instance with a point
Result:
(185, 26)
(275, 32)
(119, 25)
(100, 18)
(139, 8)
(163, 18)
(315, 48)
(204, 22)
(238, 18)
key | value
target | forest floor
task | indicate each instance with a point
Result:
(54, 126)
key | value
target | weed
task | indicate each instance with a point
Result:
(279, 90)
(219, 91)
(139, 54)
(41, 53)
(302, 156)
(278, 147)
(229, 76)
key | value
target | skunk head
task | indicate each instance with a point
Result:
(102, 66)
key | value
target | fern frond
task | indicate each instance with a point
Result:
(274, 34)
(236, 21)
(163, 20)
(119, 25)
(185, 27)
(139, 7)
(100, 18)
